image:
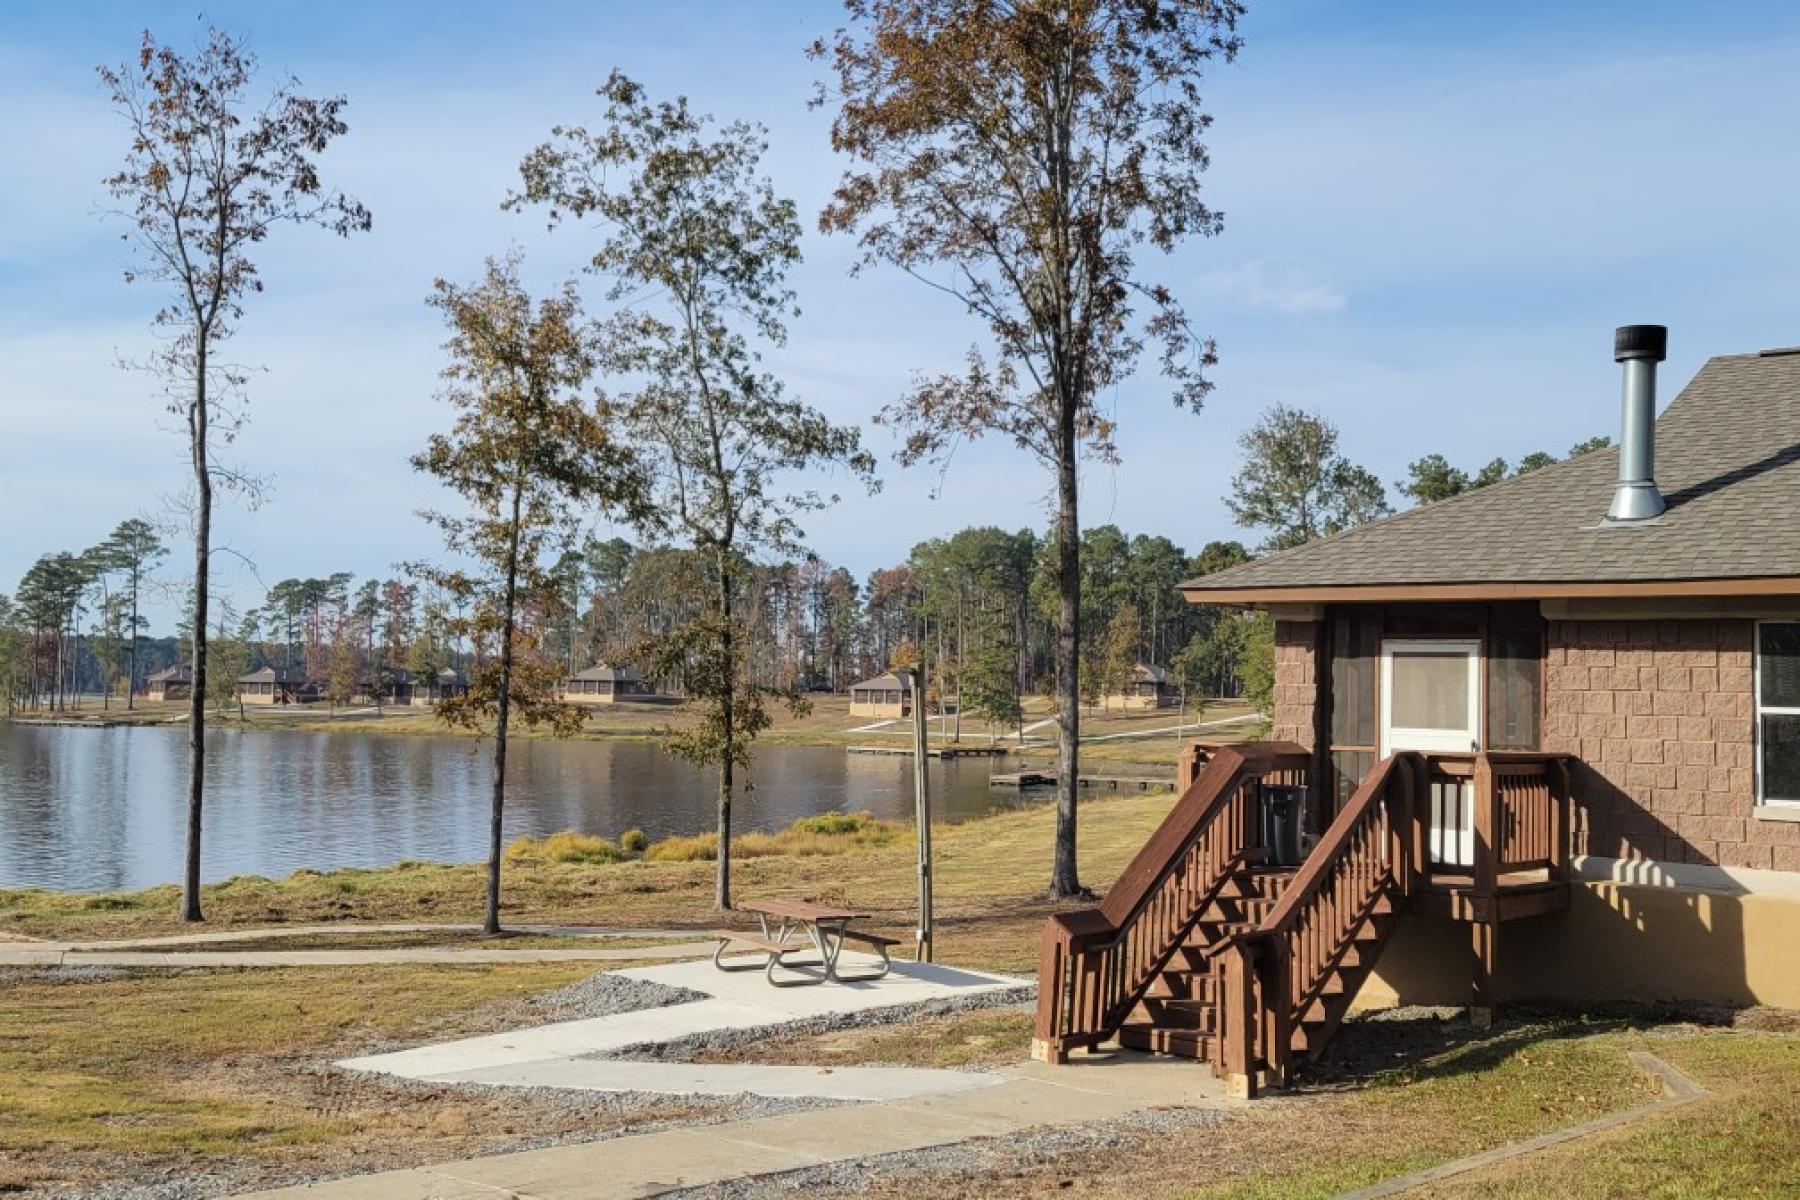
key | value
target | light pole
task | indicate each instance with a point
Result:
(913, 679)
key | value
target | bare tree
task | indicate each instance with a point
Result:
(1017, 155)
(209, 173)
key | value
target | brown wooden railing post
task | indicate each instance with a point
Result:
(1047, 1043)
(1237, 1031)
(1487, 834)
(1560, 805)
(1276, 994)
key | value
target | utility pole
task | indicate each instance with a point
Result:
(914, 677)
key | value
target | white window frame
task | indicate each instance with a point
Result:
(1758, 711)
(1432, 741)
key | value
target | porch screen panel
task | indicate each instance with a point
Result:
(1431, 691)
(1355, 642)
(1515, 647)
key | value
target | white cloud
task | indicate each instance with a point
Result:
(1273, 287)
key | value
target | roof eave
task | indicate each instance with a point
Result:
(1376, 593)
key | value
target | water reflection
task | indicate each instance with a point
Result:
(104, 809)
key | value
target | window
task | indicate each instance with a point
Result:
(1778, 712)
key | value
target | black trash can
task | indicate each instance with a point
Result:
(1282, 807)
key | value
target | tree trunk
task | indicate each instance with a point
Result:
(491, 920)
(1065, 881)
(197, 422)
(728, 693)
(131, 682)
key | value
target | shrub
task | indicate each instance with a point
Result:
(835, 822)
(701, 847)
(633, 841)
(568, 846)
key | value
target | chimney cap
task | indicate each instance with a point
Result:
(1649, 342)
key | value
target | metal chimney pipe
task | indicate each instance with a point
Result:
(1640, 348)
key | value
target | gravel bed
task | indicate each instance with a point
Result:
(963, 1162)
(722, 1040)
(605, 994)
(69, 974)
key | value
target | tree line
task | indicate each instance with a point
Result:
(1022, 161)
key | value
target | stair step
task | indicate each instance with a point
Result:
(1182, 985)
(1181, 1043)
(1180, 1014)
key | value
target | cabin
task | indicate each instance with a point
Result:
(1539, 742)
(885, 695)
(605, 685)
(276, 685)
(384, 685)
(1146, 687)
(445, 685)
(171, 683)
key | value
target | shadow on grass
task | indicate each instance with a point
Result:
(1415, 1045)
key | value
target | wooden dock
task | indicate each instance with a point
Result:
(935, 751)
(1026, 780)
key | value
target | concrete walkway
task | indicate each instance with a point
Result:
(212, 948)
(564, 1054)
(1029, 1095)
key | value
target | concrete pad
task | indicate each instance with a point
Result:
(728, 1079)
(859, 1132)
(1147, 1078)
(633, 1167)
(1022, 1103)
(906, 983)
(566, 1039)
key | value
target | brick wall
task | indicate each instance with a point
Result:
(1661, 715)
(1296, 682)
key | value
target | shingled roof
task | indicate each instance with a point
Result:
(1727, 461)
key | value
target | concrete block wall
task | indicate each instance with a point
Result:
(1661, 715)
(1296, 682)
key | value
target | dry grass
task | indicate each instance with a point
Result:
(169, 1072)
(1350, 1130)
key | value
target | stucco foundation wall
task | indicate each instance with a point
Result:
(1296, 682)
(1661, 716)
(1615, 942)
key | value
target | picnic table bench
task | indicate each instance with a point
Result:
(789, 927)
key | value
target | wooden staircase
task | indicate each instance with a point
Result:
(1203, 951)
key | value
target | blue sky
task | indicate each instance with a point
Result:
(1435, 215)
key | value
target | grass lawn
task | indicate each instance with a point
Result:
(171, 1071)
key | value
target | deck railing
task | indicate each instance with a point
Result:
(1095, 964)
(1274, 976)
(1520, 812)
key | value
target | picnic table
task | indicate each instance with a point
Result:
(791, 927)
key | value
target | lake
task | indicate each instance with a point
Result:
(105, 809)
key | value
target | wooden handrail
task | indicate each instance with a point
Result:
(1366, 854)
(1096, 964)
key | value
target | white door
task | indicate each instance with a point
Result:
(1431, 702)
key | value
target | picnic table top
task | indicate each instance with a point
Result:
(801, 910)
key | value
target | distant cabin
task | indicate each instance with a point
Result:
(383, 686)
(445, 685)
(171, 683)
(882, 696)
(605, 685)
(275, 685)
(1146, 687)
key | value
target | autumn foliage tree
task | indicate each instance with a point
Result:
(696, 242)
(530, 456)
(211, 170)
(1019, 156)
